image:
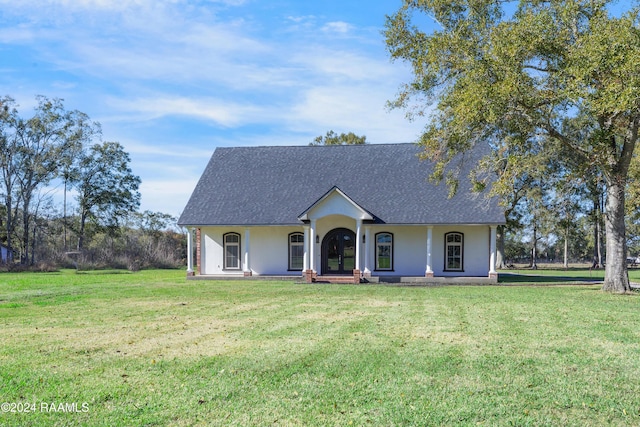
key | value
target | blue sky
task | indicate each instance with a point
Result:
(172, 80)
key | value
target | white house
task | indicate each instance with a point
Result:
(350, 213)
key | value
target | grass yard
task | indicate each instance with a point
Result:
(555, 274)
(151, 349)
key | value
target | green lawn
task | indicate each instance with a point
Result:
(153, 349)
(554, 273)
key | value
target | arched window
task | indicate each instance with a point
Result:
(296, 251)
(454, 249)
(384, 251)
(231, 251)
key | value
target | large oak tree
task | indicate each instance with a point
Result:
(528, 76)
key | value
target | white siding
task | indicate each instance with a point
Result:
(475, 250)
(269, 248)
(410, 250)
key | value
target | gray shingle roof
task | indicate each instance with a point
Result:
(274, 185)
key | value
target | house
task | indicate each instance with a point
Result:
(358, 213)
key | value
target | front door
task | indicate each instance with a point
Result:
(338, 252)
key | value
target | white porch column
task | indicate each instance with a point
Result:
(358, 242)
(429, 270)
(189, 251)
(492, 251)
(312, 246)
(247, 240)
(367, 255)
(305, 258)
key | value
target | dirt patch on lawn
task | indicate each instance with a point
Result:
(333, 316)
(380, 303)
(162, 338)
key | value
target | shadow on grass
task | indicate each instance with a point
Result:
(100, 272)
(515, 278)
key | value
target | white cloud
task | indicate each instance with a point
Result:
(169, 151)
(339, 27)
(221, 113)
(300, 19)
(167, 195)
(158, 48)
(19, 34)
(337, 63)
(139, 64)
(102, 5)
(359, 109)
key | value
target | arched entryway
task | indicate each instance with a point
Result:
(338, 252)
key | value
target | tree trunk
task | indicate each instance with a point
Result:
(616, 277)
(534, 249)
(601, 209)
(83, 219)
(33, 242)
(9, 228)
(25, 232)
(566, 248)
(597, 257)
(64, 216)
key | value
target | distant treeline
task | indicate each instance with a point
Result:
(103, 228)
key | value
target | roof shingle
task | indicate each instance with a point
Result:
(273, 185)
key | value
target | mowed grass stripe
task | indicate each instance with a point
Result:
(151, 348)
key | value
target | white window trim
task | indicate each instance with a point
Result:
(377, 252)
(224, 249)
(453, 244)
(290, 246)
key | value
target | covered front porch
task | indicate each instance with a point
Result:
(344, 243)
(338, 248)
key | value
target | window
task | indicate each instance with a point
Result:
(454, 245)
(296, 251)
(232, 251)
(384, 251)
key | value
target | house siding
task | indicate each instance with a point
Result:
(410, 250)
(269, 248)
(476, 250)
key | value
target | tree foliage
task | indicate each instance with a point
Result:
(107, 188)
(528, 77)
(55, 144)
(32, 152)
(332, 138)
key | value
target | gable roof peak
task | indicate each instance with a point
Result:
(358, 210)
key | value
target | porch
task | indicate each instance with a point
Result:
(377, 280)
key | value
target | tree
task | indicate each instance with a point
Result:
(31, 152)
(154, 223)
(107, 188)
(331, 138)
(566, 206)
(9, 167)
(549, 73)
(44, 143)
